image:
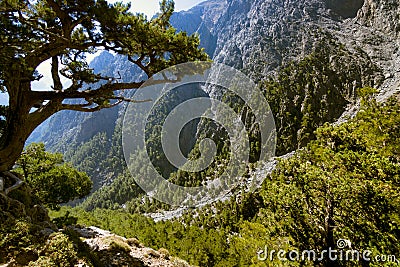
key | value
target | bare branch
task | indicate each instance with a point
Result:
(17, 184)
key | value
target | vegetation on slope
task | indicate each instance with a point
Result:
(314, 90)
(26, 234)
(343, 185)
(303, 96)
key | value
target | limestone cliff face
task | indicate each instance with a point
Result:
(360, 39)
(376, 31)
(260, 36)
(201, 19)
(383, 15)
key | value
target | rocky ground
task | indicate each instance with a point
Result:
(105, 250)
(114, 250)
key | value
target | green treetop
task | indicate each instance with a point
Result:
(52, 180)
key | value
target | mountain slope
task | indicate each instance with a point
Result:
(309, 58)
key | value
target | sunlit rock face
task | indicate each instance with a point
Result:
(383, 15)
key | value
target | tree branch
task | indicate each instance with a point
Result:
(88, 107)
(139, 63)
(102, 91)
(17, 184)
(63, 16)
(54, 72)
(44, 30)
(124, 99)
(85, 108)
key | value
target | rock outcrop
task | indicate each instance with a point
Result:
(91, 246)
(114, 250)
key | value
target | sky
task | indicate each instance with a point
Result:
(148, 7)
(151, 7)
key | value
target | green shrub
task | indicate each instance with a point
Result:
(164, 253)
(59, 251)
(116, 243)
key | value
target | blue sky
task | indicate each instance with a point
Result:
(148, 7)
